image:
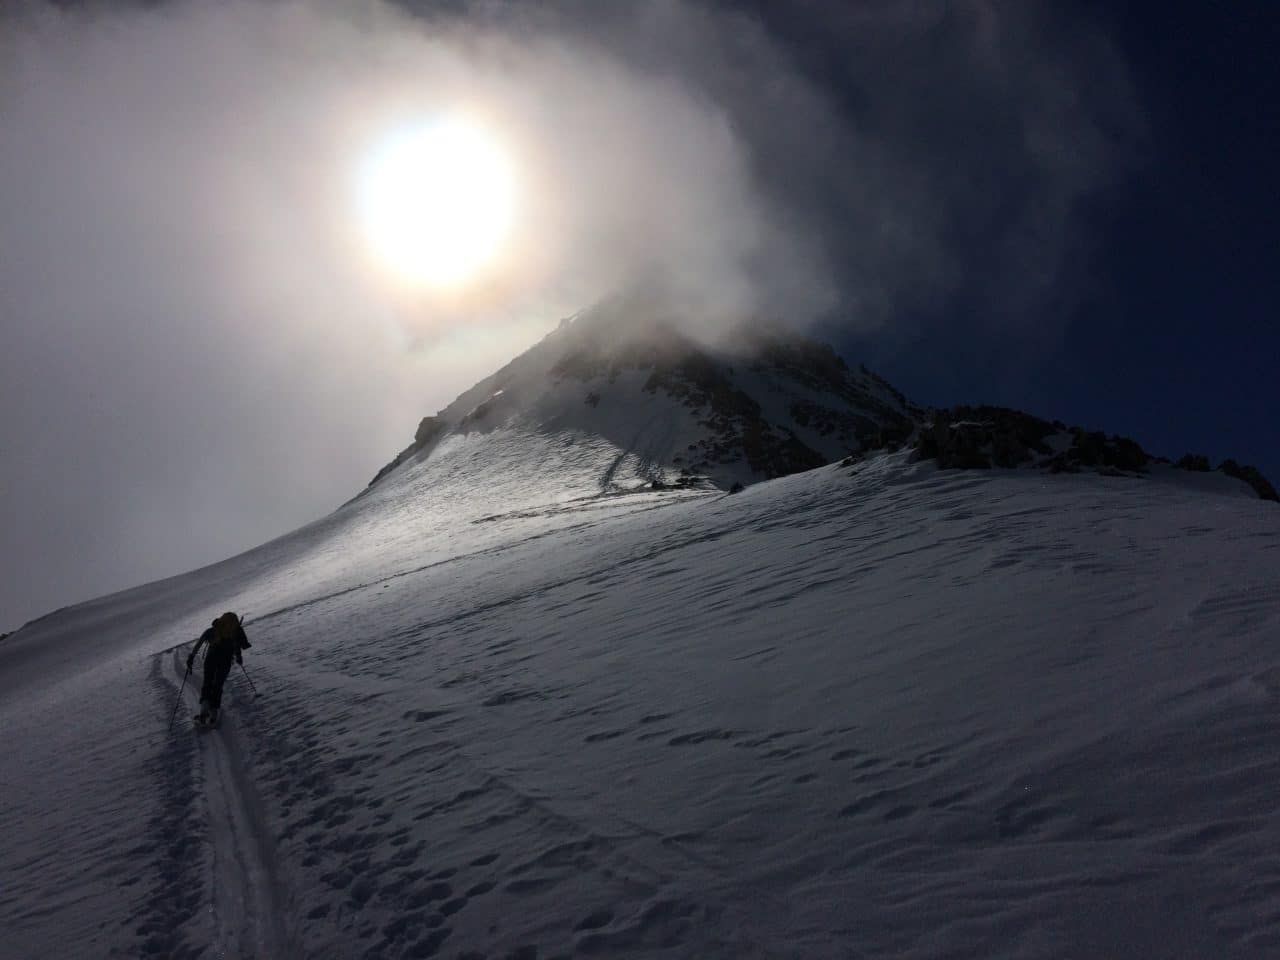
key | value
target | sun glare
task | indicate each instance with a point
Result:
(437, 202)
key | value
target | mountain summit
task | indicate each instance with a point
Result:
(676, 411)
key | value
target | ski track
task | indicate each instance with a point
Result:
(645, 822)
(873, 712)
(246, 909)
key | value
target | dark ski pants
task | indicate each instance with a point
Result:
(216, 667)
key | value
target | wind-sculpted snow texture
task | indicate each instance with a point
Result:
(869, 710)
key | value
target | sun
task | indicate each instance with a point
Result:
(437, 202)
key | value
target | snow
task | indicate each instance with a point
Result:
(508, 710)
(672, 406)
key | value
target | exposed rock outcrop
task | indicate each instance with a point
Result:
(429, 430)
(1193, 461)
(985, 437)
(1095, 450)
(1252, 476)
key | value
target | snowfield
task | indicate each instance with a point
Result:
(506, 711)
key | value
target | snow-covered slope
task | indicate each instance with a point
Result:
(868, 710)
(670, 409)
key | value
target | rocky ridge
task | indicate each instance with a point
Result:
(771, 404)
(983, 437)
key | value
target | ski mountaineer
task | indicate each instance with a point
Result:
(223, 642)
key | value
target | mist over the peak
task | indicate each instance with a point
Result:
(198, 352)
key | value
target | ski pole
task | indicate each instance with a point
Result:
(246, 676)
(180, 692)
(241, 662)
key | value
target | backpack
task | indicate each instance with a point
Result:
(227, 632)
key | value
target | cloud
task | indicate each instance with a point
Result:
(931, 154)
(198, 352)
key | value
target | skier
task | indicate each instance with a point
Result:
(223, 641)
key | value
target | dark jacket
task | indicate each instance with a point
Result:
(217, 649)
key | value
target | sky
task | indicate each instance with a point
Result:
(1063, 208)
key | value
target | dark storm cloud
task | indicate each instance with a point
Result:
(929, 151)
(196, 355)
